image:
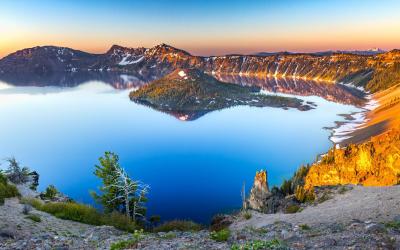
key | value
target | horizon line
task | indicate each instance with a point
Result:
(226, 54)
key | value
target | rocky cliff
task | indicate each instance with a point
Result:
(259, 192)
(372, 163)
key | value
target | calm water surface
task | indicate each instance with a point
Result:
(195, 168)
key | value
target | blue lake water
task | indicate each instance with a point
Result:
(195, 169)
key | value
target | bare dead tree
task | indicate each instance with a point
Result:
(129, 190)
(243, 194)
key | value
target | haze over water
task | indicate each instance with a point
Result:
(195, 169)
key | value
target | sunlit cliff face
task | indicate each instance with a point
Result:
(373, 163)
(260, 181)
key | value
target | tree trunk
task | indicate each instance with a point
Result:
(127, 204)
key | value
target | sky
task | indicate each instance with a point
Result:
(202, 27)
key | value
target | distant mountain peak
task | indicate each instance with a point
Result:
(165, 48)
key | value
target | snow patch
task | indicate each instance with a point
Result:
(182, 74)
(344, 131)
(125, 60)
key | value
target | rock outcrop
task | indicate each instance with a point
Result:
(262, 199)
(259, 193)
(372, 163)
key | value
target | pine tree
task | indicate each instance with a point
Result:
(120, 192)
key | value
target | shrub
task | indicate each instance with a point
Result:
(305, 227)
(303, 195)
(119, 221)
(50, 192)
(7, 190)
(155, 219)
(82, 213)
(73, 211)
(291, 209)
(178, 225)
(34, 217)
(36, 203)
(260, 245)
(289, 187)
(222, 235)
(3, 178)
(169, 236)
(286, 187)
(220, 221)
(247, 215)
(131, 243)
(393, 224)
(343, 189)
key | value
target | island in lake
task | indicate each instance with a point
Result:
(191, 92)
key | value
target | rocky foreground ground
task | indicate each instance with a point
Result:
(359, 218)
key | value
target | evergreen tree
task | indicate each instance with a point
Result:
(106, 171)
(119, 192)
(15, 172)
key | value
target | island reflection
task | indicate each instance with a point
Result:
(332, 92)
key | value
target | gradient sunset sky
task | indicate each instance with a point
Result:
(201, 27)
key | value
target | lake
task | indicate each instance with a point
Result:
(195, 168)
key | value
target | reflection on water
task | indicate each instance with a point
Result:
(73, 79)
(195, 169)
(331, 92)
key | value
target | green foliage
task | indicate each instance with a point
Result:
(291, 209)
(3, 178)
(119, 221)
(16, 173)
(247, 215)
(178, 225)
(343, 189)
(169, 236)
(106, 171)
(305, 227)
(155, 218)
(260, 245)
(119, 192)
(220, 236)
(219, 222)
(34, 217)
(36, 203)
(7, 190)
(50, 192)
(286, 187)
(82, 213)
(73, 211)
(393, 224)
(128, 244)
(201, 92)
(289, 187)
(384, 77)
(303, 195)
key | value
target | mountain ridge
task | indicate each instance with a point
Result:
(162, 59)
